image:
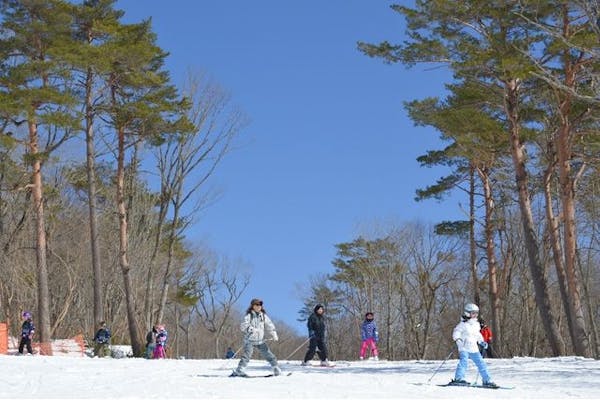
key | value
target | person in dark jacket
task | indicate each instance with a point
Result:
(316, 334)
(102, 341)
(230, 353)
(27, 330)
(151, 342)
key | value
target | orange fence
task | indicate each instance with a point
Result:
(74, 346)
(3, 338)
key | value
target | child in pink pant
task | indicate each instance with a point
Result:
(370, 336)
(161, 342)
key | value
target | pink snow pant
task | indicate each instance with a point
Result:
(370, 342)
(159, 351)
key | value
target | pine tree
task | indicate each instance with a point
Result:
(35, 39)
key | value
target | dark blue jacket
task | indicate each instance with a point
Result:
(369, 330)
(102, 336)
(27, 328)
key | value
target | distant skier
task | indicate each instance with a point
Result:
(486, 332)
(102, 340)
(316, 334)
(161, 342)
(150, 342)
(230, 353)
(27, 331)
(369, 336)
(255, 324)
(467, 336)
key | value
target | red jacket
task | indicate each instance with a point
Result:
(486, 332)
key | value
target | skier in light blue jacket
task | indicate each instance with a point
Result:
(255, 324)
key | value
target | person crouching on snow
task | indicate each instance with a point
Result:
(255, 324)
(467, 337)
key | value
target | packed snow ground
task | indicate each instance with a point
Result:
(41, 377)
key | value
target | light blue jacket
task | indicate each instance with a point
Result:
(255, 325)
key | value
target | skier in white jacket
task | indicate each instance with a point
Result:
(467, 335)
(255, 324)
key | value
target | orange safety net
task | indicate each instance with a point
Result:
(3, 338)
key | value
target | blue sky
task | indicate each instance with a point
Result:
(329, 148)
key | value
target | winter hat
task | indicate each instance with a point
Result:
(256, 301)
(26, 315)
(317, 307)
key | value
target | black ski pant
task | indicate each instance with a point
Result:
(312, 349)
(25, 342)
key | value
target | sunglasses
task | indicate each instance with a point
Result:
(257, 304)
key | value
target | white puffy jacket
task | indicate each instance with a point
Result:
(467, 334)
(255, 325)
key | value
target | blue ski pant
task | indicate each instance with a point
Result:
(463, 360)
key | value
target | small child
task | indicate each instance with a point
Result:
(102, 341)
(161, 342)
(255, 324)
(27, 330)
(369, 336)
(467, 337)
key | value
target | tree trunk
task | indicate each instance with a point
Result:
(91, 177)
(136, 342)
(555, 244)
(170, 258)
(491, 254)
(563, 144)
(40, 235)
(472, 244)
(536, 268)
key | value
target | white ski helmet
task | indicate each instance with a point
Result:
(469, 308)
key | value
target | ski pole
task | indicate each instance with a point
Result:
(438, 368)
(297, 348)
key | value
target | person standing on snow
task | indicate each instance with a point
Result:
(102, 341)
(369, 336)
(486, 332)
(255, 324)
(316, 334)
(27, 330)
(161, 342)
(467, 337)
(151, 342)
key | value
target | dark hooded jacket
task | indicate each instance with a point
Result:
(316, 324)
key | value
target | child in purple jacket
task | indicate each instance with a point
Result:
(369, 336)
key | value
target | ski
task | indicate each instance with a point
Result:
(469, 385)
(259, 376)
(319, 365)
